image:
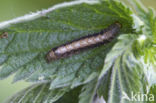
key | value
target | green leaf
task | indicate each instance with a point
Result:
(24, 50)
(149, 31)
(71, 96)
(37, 93)
(151, 94)
(122, 72)
(150, 73)
(145, 48)
(88, 92)
(147, 16)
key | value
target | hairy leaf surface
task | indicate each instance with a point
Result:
(122, 73)
(24, 50)
(37, 93)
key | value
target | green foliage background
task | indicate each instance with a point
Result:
(17, 8)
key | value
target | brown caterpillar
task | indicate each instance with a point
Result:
(4, 35)
(90, 41)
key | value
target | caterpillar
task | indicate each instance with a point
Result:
(4, 35)
(85, 42)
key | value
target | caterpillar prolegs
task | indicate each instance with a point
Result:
(90, 41)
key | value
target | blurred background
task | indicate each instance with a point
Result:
(10, 9)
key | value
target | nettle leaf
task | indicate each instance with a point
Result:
(150, 29)
(148, 38)
(147, 41)
(24, 50)
(88, 92)
(71, 96)
(152, 94)
(37, 93)
(148, 18)
(122, 73)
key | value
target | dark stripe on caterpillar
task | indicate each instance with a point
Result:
(90, 41)
(4, 35)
